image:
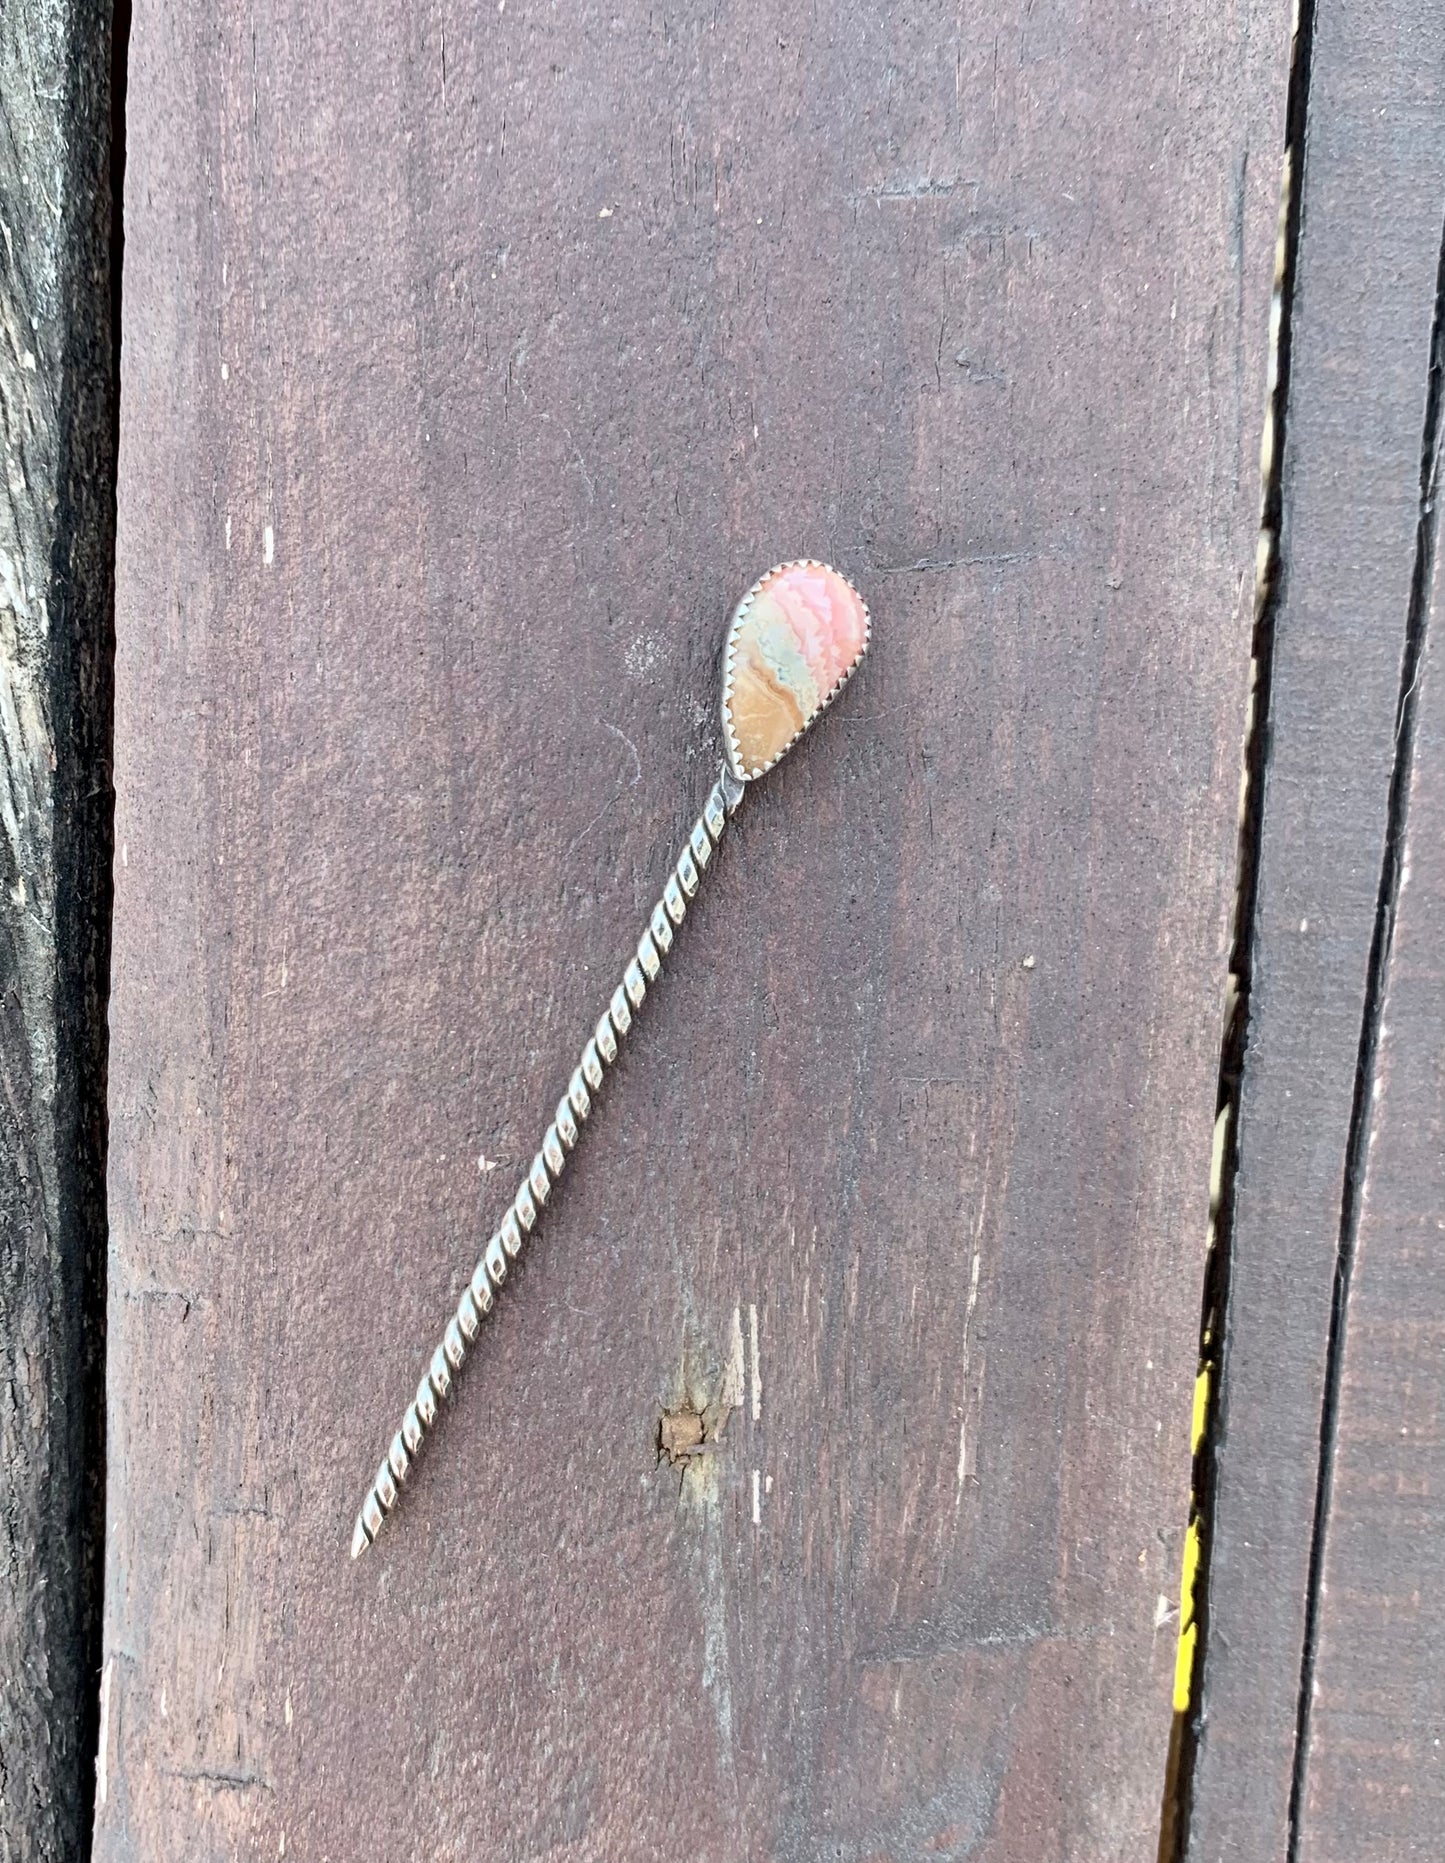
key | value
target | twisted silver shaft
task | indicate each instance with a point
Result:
(562, 1135)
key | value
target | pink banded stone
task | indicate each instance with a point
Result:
(794, 640)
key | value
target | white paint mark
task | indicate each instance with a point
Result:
(1304, 925)
(124, 854)
(1030, 961)
(228, 533)
(225, 371)
(730, 1396)
(268, 546)
(757, 1364)
(640, 657)
(963, 1420)
(164, 1715)
(1163, 1611)
(486, 1165)
(604, 213)
(757, 1500)
(767, 1484)
(102, 1758)
(288, 1707)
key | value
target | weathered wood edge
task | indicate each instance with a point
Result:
(56, 577)
(1349, 507)
(1368, 1776)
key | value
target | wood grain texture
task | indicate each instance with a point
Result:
(1361, 320)
(1374, 1789)
(475, 362)
(57, 496)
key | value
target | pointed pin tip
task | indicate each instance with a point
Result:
(360, 1539)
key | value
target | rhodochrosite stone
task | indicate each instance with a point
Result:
(795, 637)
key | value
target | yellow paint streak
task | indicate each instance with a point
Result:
(1188, 1648)
(1201, 1410)
(1188, 1629)
(1184, 1669)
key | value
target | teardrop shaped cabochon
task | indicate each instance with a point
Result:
(792, 643)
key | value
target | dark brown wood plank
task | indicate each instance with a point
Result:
(1360, 339)
(57, 532)
(475, 361)
(1374, 1785)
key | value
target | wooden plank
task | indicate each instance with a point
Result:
(56, 555)
(475, 361)
(1360, 335)
(1374, 1783)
